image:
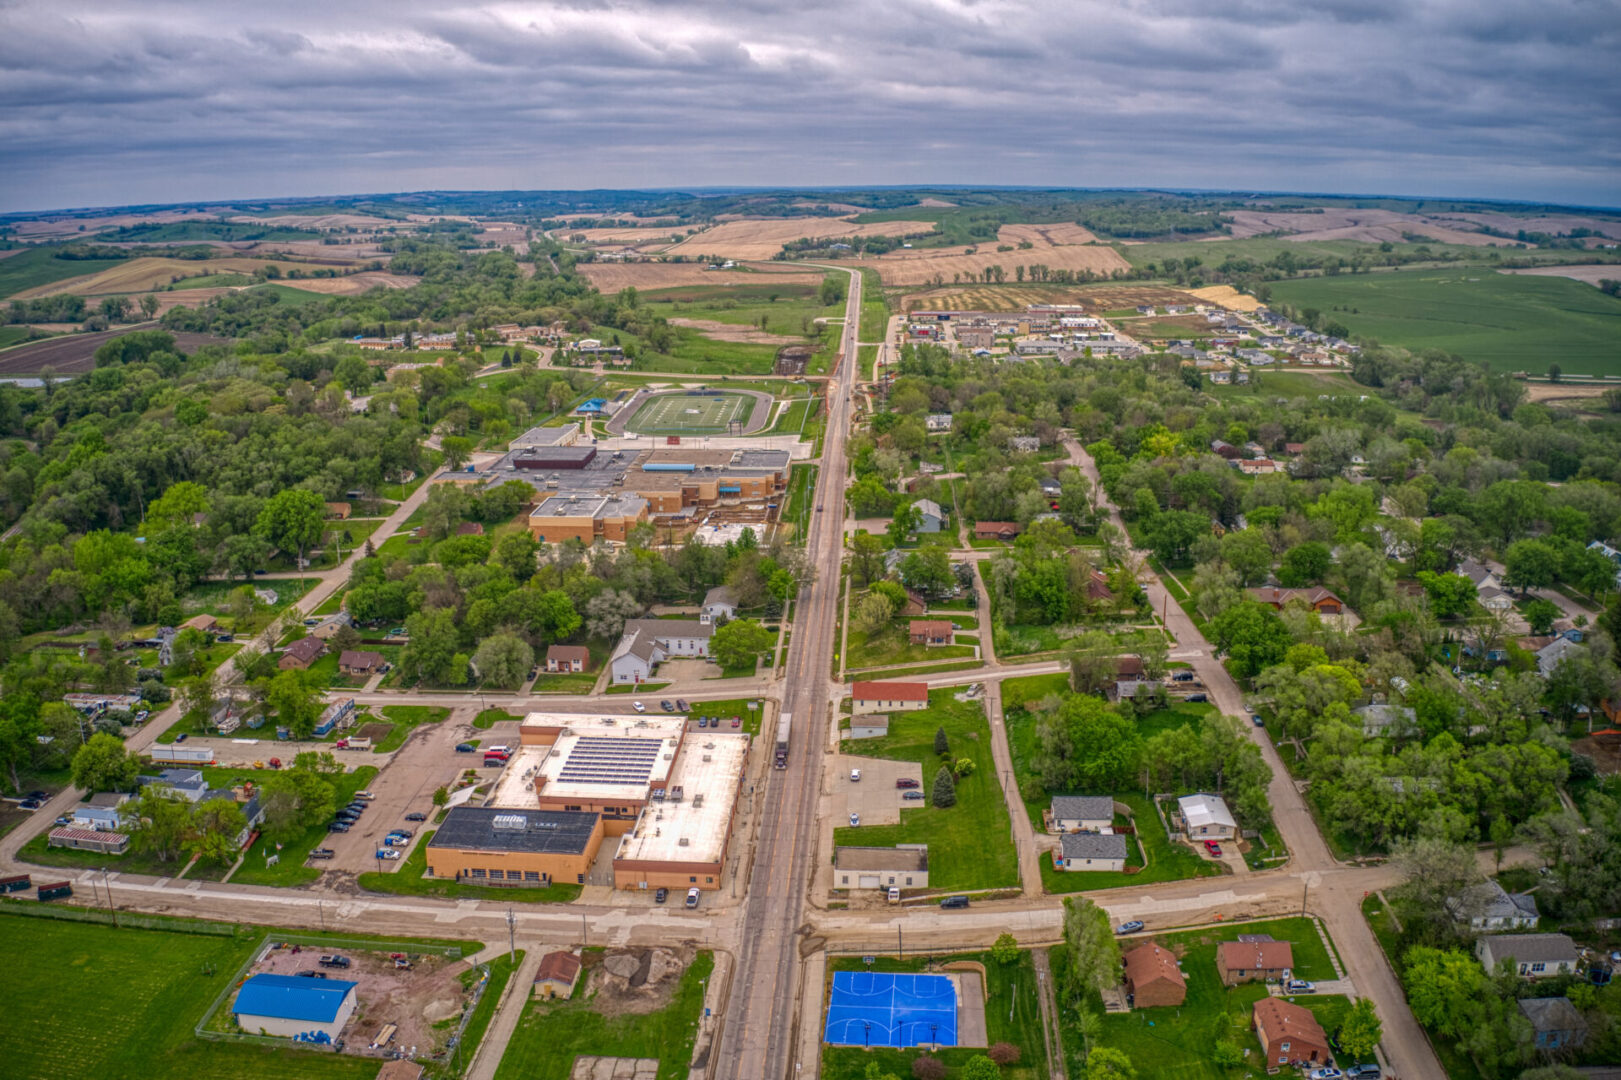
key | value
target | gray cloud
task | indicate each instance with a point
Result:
(102, 102)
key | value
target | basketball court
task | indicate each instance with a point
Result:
(881, 1008)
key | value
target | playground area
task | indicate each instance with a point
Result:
(698, 412)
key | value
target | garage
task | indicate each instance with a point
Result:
(868, 881)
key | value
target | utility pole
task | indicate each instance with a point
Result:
(1305, 887)
(585, 933)
(512, 941)
(108, 882)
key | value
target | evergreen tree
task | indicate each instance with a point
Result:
(945, 788)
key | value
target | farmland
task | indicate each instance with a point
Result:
(611, 278)
(1511, 322)
(139, 275)
(1097, 298)
(72, 354)
(921, 266)
(762, 238)
(39, 267)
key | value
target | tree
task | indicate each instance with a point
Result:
(866, 561)
(1004, 1053)
(457, 449)
(606, 612)
(215, 825)
(503, 660)
(1085, 744)
(928, 570)
(292, 518)
(1450, 594)
(1540, 614)
(1173, 532)
(1304, 564)
(300, 797)
(431, 653)
(515, 553)
(942, 745)
(944, 794)
(906, 521)
(1253, 637)
(158, 822)
(1361, 1031)
(102, 764)
(872, 614)
(1227, 1054)
(296, 704)
(1005, 950)
(1092, 951)
(441, 795)
(353, 373)
(1107, 1063)
(1444, 988)
(979, 1067)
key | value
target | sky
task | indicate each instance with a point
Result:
(108, 102)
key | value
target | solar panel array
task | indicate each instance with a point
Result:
(601, 760)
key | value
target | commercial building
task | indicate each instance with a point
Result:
(586, 518)
(1289, 1033)
(905, 866)
(647, 643)
(869, 725)
(873, 697)
(496, 845)
(1153, 978)
(680, 840)
(289, 1006)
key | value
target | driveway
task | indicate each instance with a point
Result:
(875, 797)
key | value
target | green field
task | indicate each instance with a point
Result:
(92, 1002)
(38, 266)
(1512, 322)
(16, 335)
(970, 844)
(680, 413)
(552, 1034)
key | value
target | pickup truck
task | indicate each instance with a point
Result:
(335, 961)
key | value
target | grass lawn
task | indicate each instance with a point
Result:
(290, 869)
(792, 418)
(644, 688)
(488, 717)
(893, 646)
(1166, 861)
(796, 505)
(1512, 322)
(96, 1003)
(570, 683)
(406, 718)
(1008, 987)
(1176, 1041)
(410, 880)
(552, 1034)
(902, 672)
(726, 709)
(36, 851)
(970, 844)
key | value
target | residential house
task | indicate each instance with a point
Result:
(1090, 851)
(567, 658)
(1556, 1022)
(1610, 553)
(1255, 450)
(1258, 466)
(1254, 961)
(339, 510)
(1023, 444)
(1384, 719)
(721, 601)
(1097, 588)
(1318, 598)
(360, 662)
(1551, 655)
(996, 530)
(1294, 449)
(931, 517)
(931, 632)
(1081, 813)
(1289, 1033)
(1226, 449)
(1206, 817)
(104, 818)
(1050, 487)
(647, 643)
(1494, 599)
(302, 653)
(937, 422)
(1153, 978)
(188, 784)
(1489, 907)
(1530, 956)
(1480, 575)
(205, 623)
(102, 841)
(869, 726)
(875, 697)
(556, 976)
(331, 625)
(905, 866)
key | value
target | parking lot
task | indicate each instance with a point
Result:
(426, 762)
(875, 796)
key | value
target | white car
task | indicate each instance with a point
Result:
(855, 776)
(1326, 1073)
(855, 819)
(638, 706)
(388, 853)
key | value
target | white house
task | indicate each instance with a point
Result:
(1082, 813)
(1091, 851)
(937, 421)
(647, 643)
(1551, 655)
(1381, 719)
(1488, 907)
(931, 516)
(1206, 817)
(869, 726)
(905, 866)
(885, 697)
(720, 601)
(1532, 956)
(1494, 599)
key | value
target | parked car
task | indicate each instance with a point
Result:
(692, 897)
(667, 705)
(1327, 1072)
(661, 896)
(465, 748)
(322, 853)
(416, 816)
(1255, 718)
(1198, 697)
(855, 818)
(737, 721)
(31, 804)
(310, 974)
(403, 834)
(335, 961)
(1181, 676)
(703, 721)
(338, 826)
(387, 853)
(954, 902)
(1212, 847)
(1129, 927)
(1299, 986)
(365, 796)
(180, 737)
(1368, 1071)
(906, 781)
(913, 795)
(855, 776)
(681, 705)
(638, 706)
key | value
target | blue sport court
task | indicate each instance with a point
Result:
(880, 1008)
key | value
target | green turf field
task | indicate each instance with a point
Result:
(1513, 322)
(686, 414)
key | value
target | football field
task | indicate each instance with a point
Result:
(681, 413)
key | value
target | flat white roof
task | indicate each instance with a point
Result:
(602, 756)
(1202, 809)
(693, 829)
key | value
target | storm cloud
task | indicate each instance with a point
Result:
(104, 102)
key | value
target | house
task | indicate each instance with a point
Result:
(1097, 588)
(1090, 851)
(1258, 467)
(869, 726)
(301, 653)
(1488, 907)
(1494, 599)
(358, 662)
(930, 514)
(1206, 817)
(872, 697)
(104, 818)
(1556, 1022)
(338, 713)
(1551, 655)
(569, 658)
(1382, 719)
(1289, 1033)
(331, 625)
(1024, 444)
(1225, 449)
(339, 510)
(556, 975)
(1081, 813)
(291, 1007)
(647, 643)
(937, 422)
(931, 632)
(721, 601)
(1530, 956)
(188, 784)
(103, 841)
(1294, 449)
(996, 530)
(205, 623)
(1479, 574)
(1317, 598)
(905, 866)
(1254, 961)
(1153, 978)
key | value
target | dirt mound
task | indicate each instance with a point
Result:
(636, 981)
(1227, 296)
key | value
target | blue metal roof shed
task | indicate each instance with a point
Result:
(593, 405)
(288, 997)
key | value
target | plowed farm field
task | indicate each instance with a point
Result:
(612, 277)
(351, 284)
(1060, 247)
(1367, 226)
(761, 238)
(74, 354)
(1096, 298)
(144, 275)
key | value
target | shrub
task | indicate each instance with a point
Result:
(1004, 1053)
(928, 1068)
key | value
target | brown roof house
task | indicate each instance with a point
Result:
(1153, 978)
(996, 530)
(1289, 1033)
(339, 510)
(1318, 598)
(206, 623)
(1247, 961)
(357, 662)
(556, 976)
(931, 632)
(567, 658)
(302, 653)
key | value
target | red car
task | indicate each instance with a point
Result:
(906, 782)
(1212, 847)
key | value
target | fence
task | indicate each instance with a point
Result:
(67, 913)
